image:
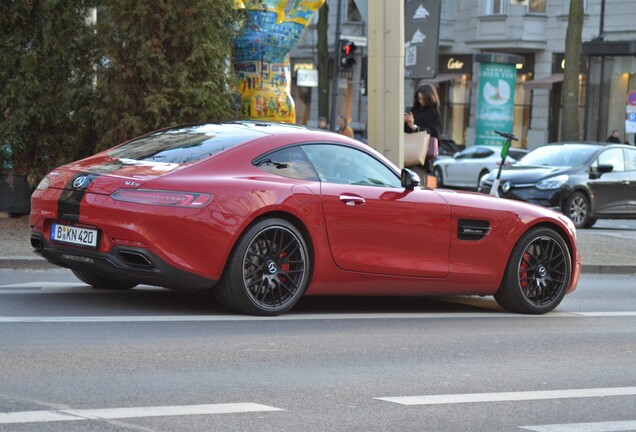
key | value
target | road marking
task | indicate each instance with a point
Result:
(302, 317)
(614, 426)
(136, 412)
(509, 396)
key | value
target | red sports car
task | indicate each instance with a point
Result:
(260, 214)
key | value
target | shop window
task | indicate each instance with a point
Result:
(495, 7)
(353, 14)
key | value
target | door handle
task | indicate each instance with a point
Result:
(351, 200)
(625, 182)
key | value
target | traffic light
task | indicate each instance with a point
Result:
(347, 50)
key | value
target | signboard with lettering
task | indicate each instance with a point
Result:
(421, 33)
(456, 63)
(495, 103)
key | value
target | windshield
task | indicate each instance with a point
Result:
(559, 155)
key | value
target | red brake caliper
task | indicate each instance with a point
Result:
(523, 270)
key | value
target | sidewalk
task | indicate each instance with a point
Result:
(601, 251)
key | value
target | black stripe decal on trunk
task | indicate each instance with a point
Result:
(69, 203)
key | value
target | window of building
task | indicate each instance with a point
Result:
(353, 14)
(566, 7)
(495, 7)
(537, 7)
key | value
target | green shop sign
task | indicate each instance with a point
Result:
(496, 102)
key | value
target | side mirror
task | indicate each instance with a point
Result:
(600, 170)
(410, 180)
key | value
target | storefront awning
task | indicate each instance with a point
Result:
(544, 82)
(441, 78)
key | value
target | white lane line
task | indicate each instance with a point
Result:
(614, 426)
(302, 317)
(509, 396)
(136, 412)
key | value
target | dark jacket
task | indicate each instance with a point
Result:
(426, 118)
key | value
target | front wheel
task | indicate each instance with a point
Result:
(103, 282)
(538, 273)
(268, 270)
(577, 208)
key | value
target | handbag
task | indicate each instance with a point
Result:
(433, 148)
(416, 148)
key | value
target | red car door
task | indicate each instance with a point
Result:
(387, 231)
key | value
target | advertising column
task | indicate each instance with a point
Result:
(496, 97)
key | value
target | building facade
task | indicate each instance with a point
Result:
(535, 32)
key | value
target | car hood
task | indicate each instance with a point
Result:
(528, 174)
(104, 174)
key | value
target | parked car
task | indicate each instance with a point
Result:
(260, 214)
(586, 181)
(448, 147)
(467, 167)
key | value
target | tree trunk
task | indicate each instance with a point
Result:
(323, 62)
(571, 130)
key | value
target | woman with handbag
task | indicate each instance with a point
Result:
(425, 115)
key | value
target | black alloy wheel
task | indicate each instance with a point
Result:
(538, 273)
(268, 271)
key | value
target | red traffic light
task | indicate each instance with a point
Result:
(347, 49)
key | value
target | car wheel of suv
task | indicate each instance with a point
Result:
(577, 208)
(439, 176)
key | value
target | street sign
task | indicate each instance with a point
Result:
(631, 98)
(360, 41)
(421, 33)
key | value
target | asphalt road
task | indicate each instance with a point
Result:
(77, 359)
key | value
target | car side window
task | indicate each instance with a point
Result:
(288, 162)
(612, 157)
(482, 153)
(467, 154)
(347, 165)
(630, 159)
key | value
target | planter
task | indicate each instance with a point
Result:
(15, 195)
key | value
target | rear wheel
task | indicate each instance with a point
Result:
(102, 282)
(577, 208)
(268, 271)
(538, 273)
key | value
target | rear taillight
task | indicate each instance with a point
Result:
(163, 198)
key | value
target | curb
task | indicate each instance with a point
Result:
(26, 262)
(608, 269)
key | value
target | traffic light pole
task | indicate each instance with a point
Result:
(335, 72)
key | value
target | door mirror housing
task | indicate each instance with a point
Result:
(410, 180)
(600, 170)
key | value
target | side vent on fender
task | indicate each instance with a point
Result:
(471, 229)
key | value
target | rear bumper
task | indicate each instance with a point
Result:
(121, 263)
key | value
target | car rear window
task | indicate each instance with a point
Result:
(185, 145)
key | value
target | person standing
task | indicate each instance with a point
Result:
(424, 115)
(614, 138)
(322, 123)
(343, 126)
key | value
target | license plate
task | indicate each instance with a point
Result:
(74, 235)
